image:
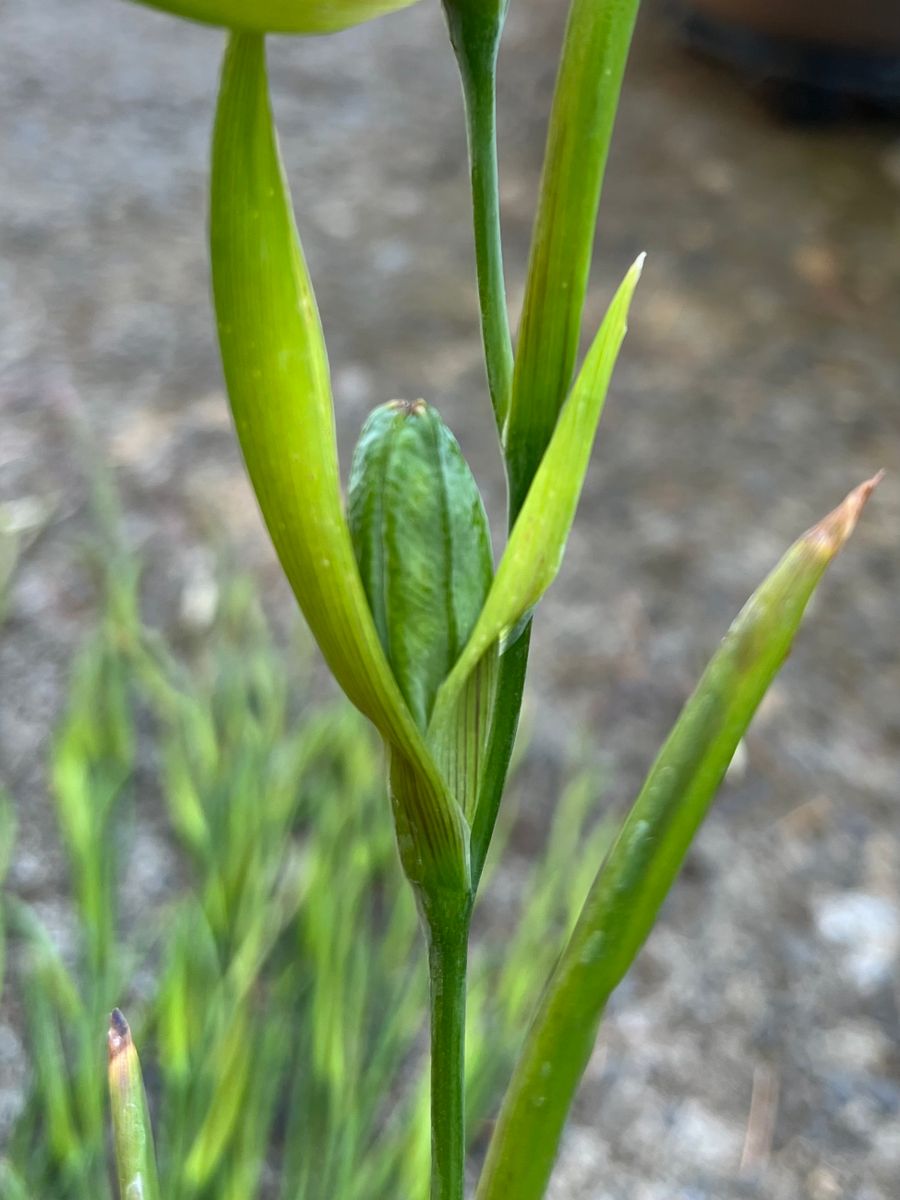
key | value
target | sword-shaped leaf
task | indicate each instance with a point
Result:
(598, 34)
(278, 382)
(645, 858)
(534, 552)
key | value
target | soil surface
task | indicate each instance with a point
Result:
(753, 1051)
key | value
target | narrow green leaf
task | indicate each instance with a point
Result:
(133, 1136)
(234, 1058)
(276, 369)
(279, 16)
(535, 548)
(645, 858)
(597, 38)
(12, 1185)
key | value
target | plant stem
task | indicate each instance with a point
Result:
(502, 739)
(448, 944)
(479, 88)
(475, 27)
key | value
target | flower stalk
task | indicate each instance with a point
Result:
(475, 28)
(448, 946)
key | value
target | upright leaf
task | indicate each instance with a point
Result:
(534, 552)
(278, 382)
(597, 38)
(645, 858)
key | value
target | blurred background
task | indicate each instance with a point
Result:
(753, 1051)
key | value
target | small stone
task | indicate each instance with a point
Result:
(199, 601)
(823, 1184)
(706, 1138)
(858, 1046)
(866, 929)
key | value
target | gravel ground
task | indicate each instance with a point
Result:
(753, 1052)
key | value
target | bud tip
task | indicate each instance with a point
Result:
(119, 1038)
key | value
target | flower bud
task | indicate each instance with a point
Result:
(422, 542)
(132, 1133)
(279, 16)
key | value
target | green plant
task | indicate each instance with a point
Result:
(258, 987)
(449, 752)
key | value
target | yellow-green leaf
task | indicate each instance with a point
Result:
(277, 374)
(279, 16)
(535, 548)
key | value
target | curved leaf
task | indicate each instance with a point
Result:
(645, 858)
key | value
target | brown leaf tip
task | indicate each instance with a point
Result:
(119, 1038)
(833, 531)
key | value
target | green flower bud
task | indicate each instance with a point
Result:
(422, 542)
(279, 16)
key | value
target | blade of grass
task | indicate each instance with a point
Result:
(12, 1185)
(234, 1061)
(645, 858)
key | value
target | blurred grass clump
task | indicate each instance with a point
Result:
(277, 988)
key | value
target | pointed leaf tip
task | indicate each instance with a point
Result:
(830, 534)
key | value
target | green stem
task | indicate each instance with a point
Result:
(448, 944)
(481, 117)
(475, 27)
(502, 739)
